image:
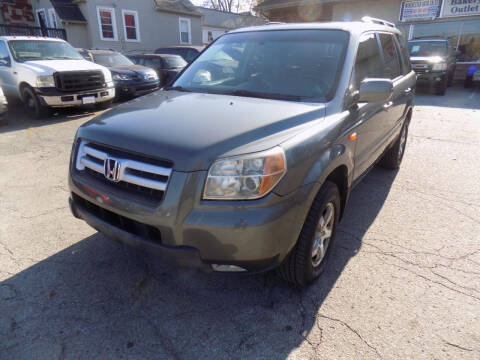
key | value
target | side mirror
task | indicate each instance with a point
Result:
(375, 90)
(5, 61)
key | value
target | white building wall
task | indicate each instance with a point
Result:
(216, 32)
(385, 9)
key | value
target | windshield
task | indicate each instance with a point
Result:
(174, 62)
(111, 59)
(24, 50)
(427, 48)
(287, 64)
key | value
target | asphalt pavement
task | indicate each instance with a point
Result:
(403, 283)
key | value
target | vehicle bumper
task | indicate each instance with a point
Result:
(431, 77)
(54, 98)
(255, 235)
(136, 89)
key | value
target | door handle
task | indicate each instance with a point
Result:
(388, 104)
(408, 90)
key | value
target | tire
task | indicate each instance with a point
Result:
(441, 89)
(301, 267)
(394, 156)
(33, 105)
(468, 84)
(104, 105)
(450, 78)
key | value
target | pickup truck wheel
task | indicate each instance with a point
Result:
(393, 157)
(33, 104)
(441, 88)
(308, 258)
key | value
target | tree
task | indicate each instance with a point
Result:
(229, 5)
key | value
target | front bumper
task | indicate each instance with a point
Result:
(136, 89)
(255, 235)
(431, 77)
(54, 98)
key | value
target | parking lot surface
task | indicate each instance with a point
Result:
(403, 282)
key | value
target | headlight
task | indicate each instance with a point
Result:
(245, 177)
(152, 75)
(45, 81)
(107, 75)
(121, 77)
(439, 67)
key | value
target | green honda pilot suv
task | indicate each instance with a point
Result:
(246, 162)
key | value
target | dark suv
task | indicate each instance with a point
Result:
(247, 161)
(434, 61)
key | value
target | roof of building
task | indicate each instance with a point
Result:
(68, 10)
(177, 6)
(228, 20)
(276, 4)
(350, 26)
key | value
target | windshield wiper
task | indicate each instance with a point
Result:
(177, 88)
(248, 93)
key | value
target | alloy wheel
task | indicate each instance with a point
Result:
(323, 234)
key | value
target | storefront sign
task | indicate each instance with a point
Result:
(421, 9)
(461, 8)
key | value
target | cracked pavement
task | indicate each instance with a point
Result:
(403, 283)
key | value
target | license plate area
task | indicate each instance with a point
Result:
(88, 100)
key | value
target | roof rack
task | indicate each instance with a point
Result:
(372, 20)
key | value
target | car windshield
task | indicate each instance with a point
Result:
(298, 65)
(25, 50)
(427, 48)
(174, 62)
(111, 59)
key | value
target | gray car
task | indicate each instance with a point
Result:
(247, 161)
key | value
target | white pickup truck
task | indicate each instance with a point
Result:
(47, 73)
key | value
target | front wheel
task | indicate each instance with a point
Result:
(308, 258)
(33, 105)
(393, 157)
(441, 88)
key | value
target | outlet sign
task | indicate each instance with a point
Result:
(460, 8)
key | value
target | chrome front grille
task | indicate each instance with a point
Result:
(421, 67)
(143, 177)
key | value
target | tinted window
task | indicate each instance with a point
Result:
(390, 56)
(111, 59)
(404, 54)
(191, 55)
(136, 60)
(153, 62)
(428, 48)
(4, 56)
(368, 63)
(288, 64)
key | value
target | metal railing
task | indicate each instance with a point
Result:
(20, 30)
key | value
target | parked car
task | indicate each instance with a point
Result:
(129, 79)
(189, 53)
(472, 77)
(434, 60)
(48, 73)
(3, 104)
(250, 170)
(167, 66)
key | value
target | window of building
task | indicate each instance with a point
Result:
(469, 44)
(42, 18)
(130, 25)
(185, 31)
(368, 63)
(390, 56)
(210, 36)
(106, 23)
(52, 18)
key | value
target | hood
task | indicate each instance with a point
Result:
(193, 129)
(129, 69)
(48, 67)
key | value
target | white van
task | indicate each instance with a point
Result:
(49, 73)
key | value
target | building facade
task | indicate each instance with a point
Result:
(458, 20)
(216, 22)
(123, 25)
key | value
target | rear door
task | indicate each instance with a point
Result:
(403, 84)
(370, 117)
(7, 79)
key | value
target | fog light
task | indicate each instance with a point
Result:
(227, 268)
